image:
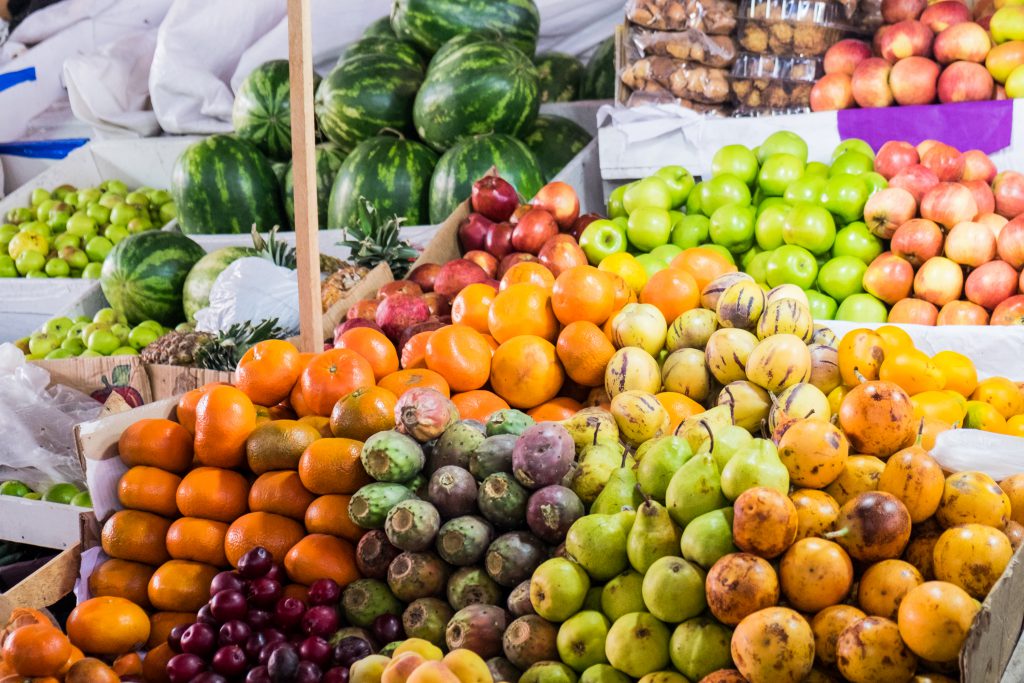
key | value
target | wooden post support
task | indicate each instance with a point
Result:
(307, 246)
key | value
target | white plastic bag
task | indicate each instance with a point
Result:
(38, 445)
(997, 455)
(251, 290)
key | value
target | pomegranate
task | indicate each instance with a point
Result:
(399, 312)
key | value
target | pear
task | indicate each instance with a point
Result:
(756, 465)
(637, 644)
(728, 442)
(581, 640)
(619, 492)
(604, 673)
(695, 489)
(593, 600)
(658, 462)
(592, 426)
(673, 590)
(699, 429)
(708, 538)
(623, 594)
(596, 464)
(700, 646)
(558, 589)
(598, 543)
(652, 536)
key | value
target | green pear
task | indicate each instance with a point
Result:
(695, 489)
(708, 538)
(596, 465)
(756, 465)
(658, 462)
(637, 644)
(581, 640)
(598, 543)
(623, 594)
(548, 672)
(728, 442)
(664, 677)
(558, 589)
(700, 646)
(674, 590)
(591, 426)
(604, 673)
(593, 599)
(652, 536)
(619, 492)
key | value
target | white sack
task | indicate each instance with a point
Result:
(251, 289)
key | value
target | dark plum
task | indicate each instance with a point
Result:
(543, 455)
(274, 635)
(174, 637)
(226, 581)
(264, 592)
(308, 672)
(228, 605)
(502, 670)
(258, 675)
(324, 592)
(288, 612)
(254, 644)
(271, 648)
(182, 668)
(276, 573)
(315, 649)
(283, 664)
(350, 650)
(387, 628)
(259, 619)
(207, 677)
(320, 621)
(551, 511)
(234, 632)
(255, 563)
(338, 674)
(452, 490)
(230, 661)
(205, 615)
(199, 639)
(374, 554)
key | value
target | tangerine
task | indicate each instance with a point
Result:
(472, 305)
(161, 624)
(213, 493)
(92, 670)
(461, 355)
(278, 445)
(402, 381)
(529, 272)
(703, 264)
(329, 515)
(414, 353)
(525, 371)
(150, 489)
(267, 372)
(156, 443)
(478, 404)
(36, 650)
(280, 492)
(181, 585)
(121, 579)
(584, 350)
(583, 293)
(522, 309)
(373, 346)
(275, 533)
(108, 626)
(186, 408)
(320, 556)
(225, 417)
(333, 466)
(556, 410)
(137, 536)
(673, 291)
(332, 375)
(363, 413)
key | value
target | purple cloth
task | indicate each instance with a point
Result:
(987, 126)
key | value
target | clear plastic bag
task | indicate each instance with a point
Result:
(251, 290)
(773, 83)
(790, 27)
(38, 447)
(714, 17)
(682, 80)
(689, 45)
(651, 97)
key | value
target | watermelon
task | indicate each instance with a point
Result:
(599, 75)
(365, 95)
(280, 168)
(199, 282)
(392, 172)
(479, 88)
(428, 24)
(381, 28)
(328, 160)
(262, 111)
(555, 140)
(470, 160)
(384, 46)
(483, 35)
(560, 75)
(143, 275)
(223, 185)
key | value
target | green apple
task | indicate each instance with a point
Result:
(7, 231)
(57, 267)
(58, 353)
(845, 196)
(89, 353)
(771, 219)
(116, 186)
(81, 224)
(76, 258)
(94, 327)
(805, 189)
(810, 226)
(601, 239)
(169, 211)
(159, 197)
(75, 331)
(30, 262)
(875, 181)
(757, 268)
(7, 266)
(615, 207)
(823, 307)
(98, 213)
(73, 345)
(816, 168)
(37, 228)
(841, 276)
(37, 274)
(62, 191)
(58, 216)
(115, 233)
(649, 227)
(142, 336)
(693, 206)
(852, 163)
(121, 331)
(41, 343)
(122, 214)
(723, 190)
(791, 264)
(651, 192)
(108, 316)
(732, 227)
(782, 142)
(110, 200)
(680, 183)
(103, 342)
(27, 241)
(737, 160)
(58, 327)
(853, 145)
(92, 271)
(154, 325)
(97, 248)
(666, 252)
(690, 231)
(124, 351)
(777, 172)
(140, 224)
(862, 308)
(138, 198)
(19, 215)
(90, 195)
(651, 264)
(39, 195)
(66, 240)
(42, 211)
(748, 256)
(856, 240)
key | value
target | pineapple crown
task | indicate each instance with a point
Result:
(228, 347)
(277, 252)
(375, 238)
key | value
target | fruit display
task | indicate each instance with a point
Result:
(68, 231)
(106, 333)
(63, 493)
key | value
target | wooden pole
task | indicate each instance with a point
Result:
(307, 245)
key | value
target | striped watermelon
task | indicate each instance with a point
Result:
(262, 111)
(365, 95)
(223, 185)
(381, 28)
(197, 286)
(483, 35)
(470, 160)
(479, 88)
(328, 160)
(143, 275)
(555, 140)
(599, 75)
(377, 45)
(428, 24)
(393, 173)
(560, 75)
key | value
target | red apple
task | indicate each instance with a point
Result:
(994, 221)
(1010, 243)
(581, 224)
(939, 281)
(400, 311)
(941, 15)
(889, 278)
(945, 161)
(494, 197)
(518, 213)
(894, 156)
(457, 274)
(962, 313)
(948, 204)
(1008, 188)
(365, 309)
(484, 260)
(535, 227)
(511, 260)
(916, 180)
(561, 201)
(870, 83)
(965, 82)
(970, 244)
(905, 39)
(926, 145)
(901, 10)
(438, 304)
(560, 253)
(966, 42)
(983, 196)
(917, 240)
(887, 210)
(977, 166)
(844, 56)
(473, 231)
(499, 240)
(353, 323)
(399, 287)
(832, 92)
(912, 80)
(424, 275)
(991, 283)
(913, 311)
(1010, 312)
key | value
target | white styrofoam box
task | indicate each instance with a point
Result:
(27, 303)
(47, 525)
(56, 123)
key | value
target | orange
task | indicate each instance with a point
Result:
(584, 351)
(329, 515)
(673, 291)
(280, 492)
(268, 371)
(461, 355)
(529, 272)
(624, 294)
(478, 404)
(181, 585)
(136, 536)
(156, 443)
(331, 375)
(154, 666)
(678, 406)
(129, 664)
(333, 466)
(1001, 394)
(92, 670)
(198, 540)
(473, 303)
(297, 591)
(703, 264)
(121, 579)
(298, 403)
(150, 489)
(275, 533)
(224, 419)
(76, 656)
(278, 445)
(161, 624)
(556, 410)
(319, 556)
(372, 345)
(213, 493)
(525, 371)
(522, 309)
(108, 626)
(36, 650)
(583, 293)
(402, 381)
(363, 413)
(318, 422)
(186, 409)
(414, 353)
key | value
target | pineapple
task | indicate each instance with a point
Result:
(282, 254)
(375, 239)
(220, 351)
(335, 287)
